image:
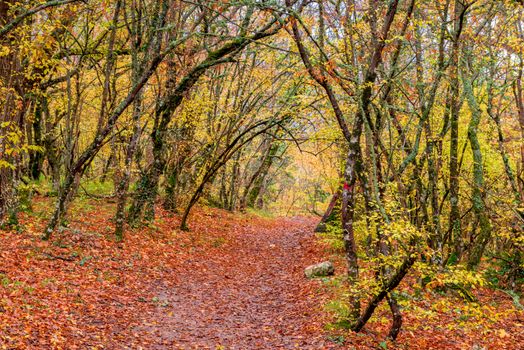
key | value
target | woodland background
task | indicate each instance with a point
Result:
(399, 124)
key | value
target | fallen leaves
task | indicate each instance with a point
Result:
(235, 280)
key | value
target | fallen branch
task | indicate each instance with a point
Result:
(59, 257)
(386, 289)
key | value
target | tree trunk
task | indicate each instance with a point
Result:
(348, 211)
(11, 90)
(454, 216)
(478, 174)
(259, 183)
(321, 227)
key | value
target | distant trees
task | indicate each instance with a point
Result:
(217, 48)
(204, 44)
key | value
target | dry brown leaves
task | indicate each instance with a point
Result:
(233, 282)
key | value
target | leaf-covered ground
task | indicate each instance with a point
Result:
(233, 282)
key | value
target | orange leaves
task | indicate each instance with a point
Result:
(235, 279)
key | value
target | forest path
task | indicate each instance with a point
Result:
(251, 295)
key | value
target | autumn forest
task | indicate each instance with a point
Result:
(261, 174)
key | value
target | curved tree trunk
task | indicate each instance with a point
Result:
(321, 227)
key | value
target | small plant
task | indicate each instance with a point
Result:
(218, 242)
(506, 272)
(25, 197)
(337, 339)
(333, 238)
(341, 313)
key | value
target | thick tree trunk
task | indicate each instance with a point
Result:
(51, 153)
(12, 88)
(36, 157)
(143, 207)
(348, 212)
(454, 216)
(519, 101)
(123, 186)
(172, 183)
(478, 175)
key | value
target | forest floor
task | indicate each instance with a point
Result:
(233, 282)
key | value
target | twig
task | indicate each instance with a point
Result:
(59, 257)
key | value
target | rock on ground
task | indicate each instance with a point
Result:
(322, 269)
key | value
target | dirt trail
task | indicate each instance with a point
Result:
(251, 296)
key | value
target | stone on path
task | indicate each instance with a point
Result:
(322, 269)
